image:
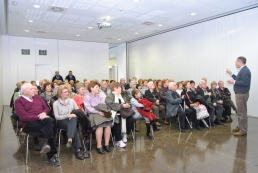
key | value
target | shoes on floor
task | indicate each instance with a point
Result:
(79, 155)
(165, 122)
(237, 129)
(150, 136)
(199, 128)
(157, 129)
(53, 161)
(120, 144)
(240, 133)
(107, 148)
(100, 150)
(157, 123)
(124, 138)
(137, 130)
(69, 144)
(218, 122)
(45, 149)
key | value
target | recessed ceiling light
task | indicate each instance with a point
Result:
(36, 6)
(107, 17)
(136, 0)
(90, 27)
(30, 20)
(77, 35)
(193, 14)
(159, 25)
(136, 33)
(118, 39)
(26, 30)
(120, 9)
(14, 3)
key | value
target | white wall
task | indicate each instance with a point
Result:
(121, 61)
(1, 80)
(201, 50)
(86, 60)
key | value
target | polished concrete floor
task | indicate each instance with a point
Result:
(209, 151)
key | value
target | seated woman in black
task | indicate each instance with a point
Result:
(189, 103)
(226, 116)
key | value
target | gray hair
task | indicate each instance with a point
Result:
(131, 83)
(24, 87)
(242, 59)
(79, 86)
(201, 81)
(149, 83)
(171, 84)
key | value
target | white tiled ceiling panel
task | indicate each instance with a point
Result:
(79, 19)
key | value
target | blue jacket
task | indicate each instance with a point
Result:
(242, 80)
(172, 103)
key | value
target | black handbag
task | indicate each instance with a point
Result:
(126, 112)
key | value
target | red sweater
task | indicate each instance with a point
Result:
(29, 111)
(79, 101)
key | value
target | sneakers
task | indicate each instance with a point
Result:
(240, 133)
(236, 129)
(45, 149)
(124, 138)
(150, 136)
(53, 161)
(120, 144)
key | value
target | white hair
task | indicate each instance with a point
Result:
(171, 84)
(201, 81)
(24, 87)
(149, 83)
(131, 83)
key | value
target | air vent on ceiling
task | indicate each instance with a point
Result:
(41, 32)
(148, 23)
(57, 9)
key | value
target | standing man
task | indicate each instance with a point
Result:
(57, 77)
(242, 84)
(70, 76)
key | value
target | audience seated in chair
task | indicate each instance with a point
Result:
(210, 103)
(135, 104)
(132, 87)
(67, 121)
(47, 94)
(57, 77)
(70, 76)
(163, 92)
(226, 95)
(226, 116)
(144, 87)
(97, 118)
(122, 127)
(157, 109)
(104, 90)
(32, 111)
(79, 98)
(86, 91)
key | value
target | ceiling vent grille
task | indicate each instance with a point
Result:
(148, 23)
(41, 32)
(56, 9)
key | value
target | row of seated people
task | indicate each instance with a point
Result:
(90, 95)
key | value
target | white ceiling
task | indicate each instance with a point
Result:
(82, 14)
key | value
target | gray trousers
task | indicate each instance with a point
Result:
(70, 127)
(241, 103)
(159, 111)
(219, 110)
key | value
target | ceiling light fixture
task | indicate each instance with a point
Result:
(120, 9)
(30, 20)
(193, 14)
(136, 33)
(26, 30)
(90, 27)
(136, 0)
(36, 6)
(77, 35)
(118, 39)
(159, 25)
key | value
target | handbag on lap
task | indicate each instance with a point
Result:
(126, 112)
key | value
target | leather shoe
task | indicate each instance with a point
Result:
(236, 129)
(199, 128)
(165, 122)
(79, 155)
(107, 148)
(37, 147)
(157, 123)
(137, 130)
(100, 150)
(218, 122)
(69, 144)
(150, 136)
(182, 130)
(157, 129)
(240, 133)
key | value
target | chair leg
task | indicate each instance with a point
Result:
(179, 125)
(189, 123)
(17, 128)
(27, 149)
(59, 142)
(133, 132)
(113, 142)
